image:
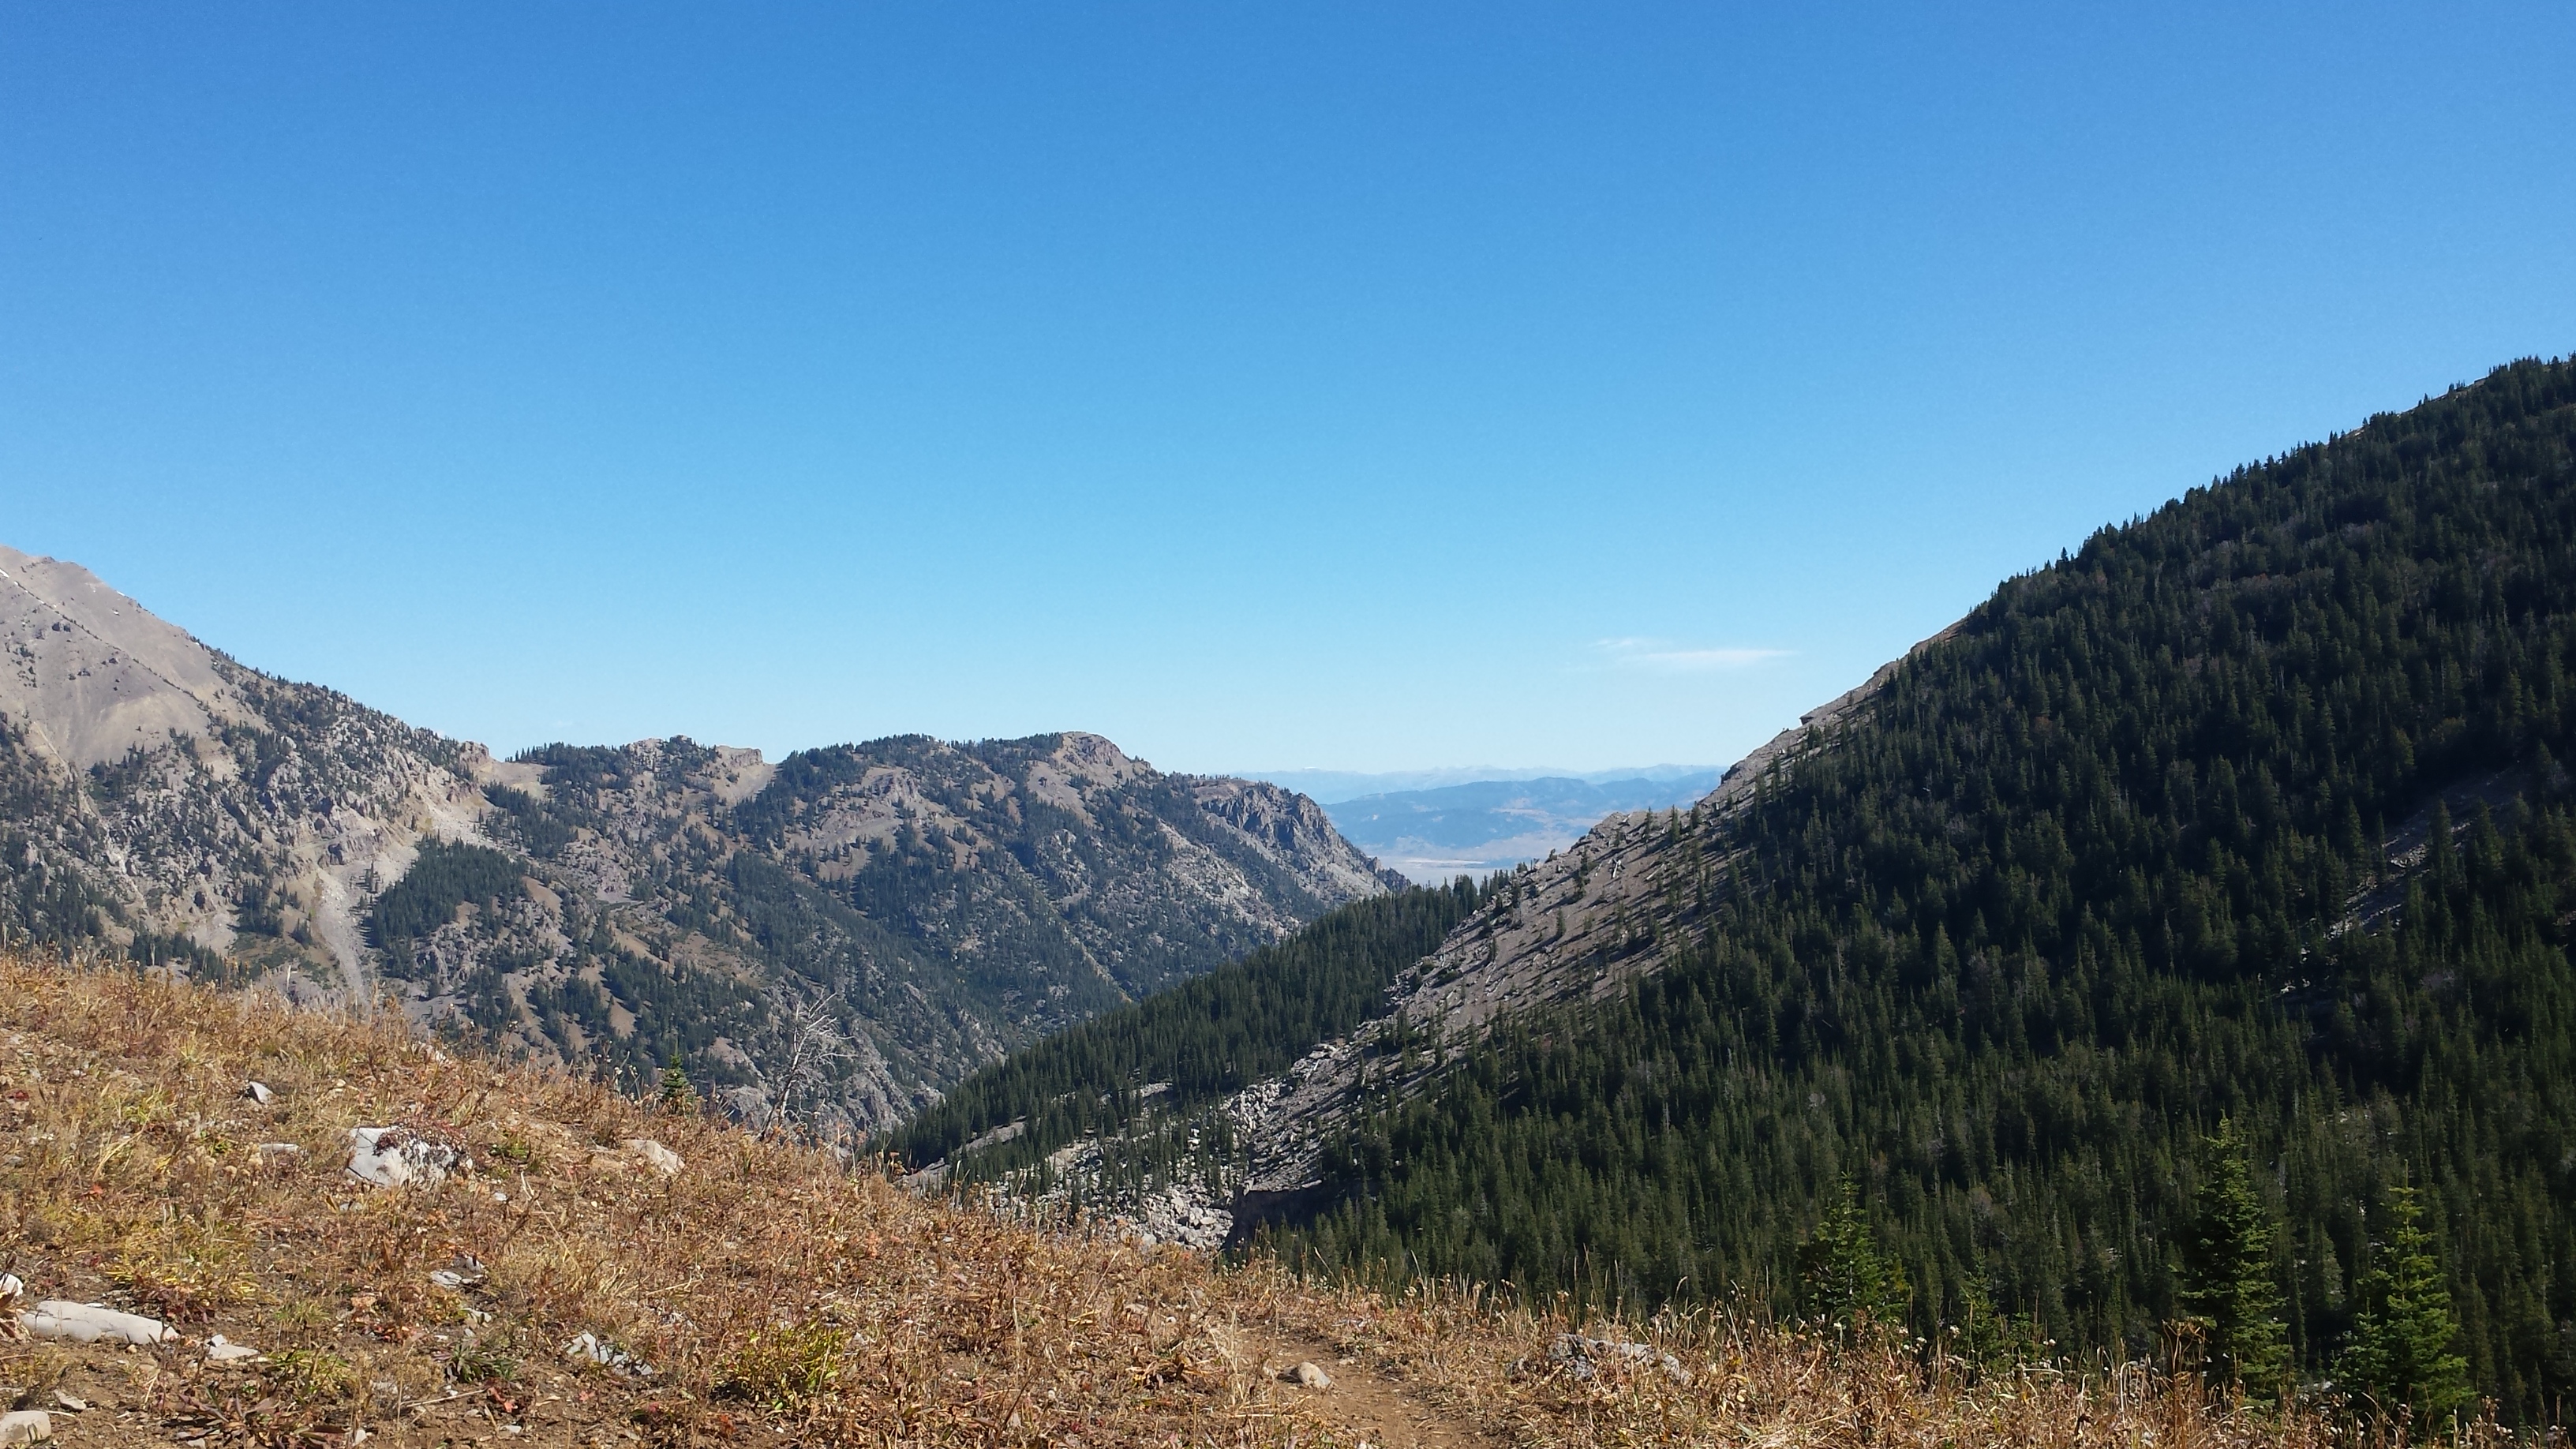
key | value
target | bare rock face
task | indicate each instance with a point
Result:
(90, 674)
(825, 942)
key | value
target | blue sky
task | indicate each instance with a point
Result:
(1370, 387)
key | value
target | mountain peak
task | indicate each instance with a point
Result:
(91, 674)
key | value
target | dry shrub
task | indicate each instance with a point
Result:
(785, 1368)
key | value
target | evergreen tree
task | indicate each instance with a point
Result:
(2229, 1289)
(2400, 1357)
(679, 1096)
(1842, 1275)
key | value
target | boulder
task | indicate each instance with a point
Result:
(26, 1426)
(399, 1157)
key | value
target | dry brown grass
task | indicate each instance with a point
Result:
(778, 1298)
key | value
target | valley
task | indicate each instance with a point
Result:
(1437, 833)
(2232, 846)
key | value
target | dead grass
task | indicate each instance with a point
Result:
(775, 1297)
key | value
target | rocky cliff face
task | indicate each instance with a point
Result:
(834, 936)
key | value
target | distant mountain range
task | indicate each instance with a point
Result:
(840, 934)
(1332, 787)
(1479, 827)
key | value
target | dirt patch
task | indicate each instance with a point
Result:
(1383, 1410)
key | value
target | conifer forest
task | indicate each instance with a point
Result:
(2172, 958)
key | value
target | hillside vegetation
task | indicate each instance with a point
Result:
(774, 1296)
(2247, 820)
(2170, 957)
(1190, 1046)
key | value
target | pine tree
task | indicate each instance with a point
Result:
(2229, 1290)
(679, 1096)
(2401, 1355)
(1843, 1275)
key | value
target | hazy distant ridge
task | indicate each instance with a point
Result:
(1482, 826)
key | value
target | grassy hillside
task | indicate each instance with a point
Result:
(776, 1298)
(2252, 810)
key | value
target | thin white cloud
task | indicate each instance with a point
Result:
(1665, 657)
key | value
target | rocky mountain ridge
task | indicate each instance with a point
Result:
(831, 936)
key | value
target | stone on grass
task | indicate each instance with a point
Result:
(89, 1323)
(589, 1347)
(660, 1158)
(258, 1092)
(220, 1351)
(1311, 1375)
(398, 1157)
(1581, 1356)
(26, 1426)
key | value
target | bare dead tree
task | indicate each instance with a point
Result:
(800, 1070)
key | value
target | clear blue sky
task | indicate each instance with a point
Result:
(1363, 386)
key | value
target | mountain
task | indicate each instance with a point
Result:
(836, 936)
(2234, 847)
(1482, 826)
(1332, 787)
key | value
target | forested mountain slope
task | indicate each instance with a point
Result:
(2253, 809)
(837, 936)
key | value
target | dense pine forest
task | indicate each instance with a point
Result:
(2214, 882)
(1194, 1044)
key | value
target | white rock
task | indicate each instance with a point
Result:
(219, 1351)
(1311, 1375)
(398, 1157)
(12, 1287)
(89, 1323)
(588, 1347)
(1579, 1354)
(258, 1092)
(662, 1159)
(26, 1426)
